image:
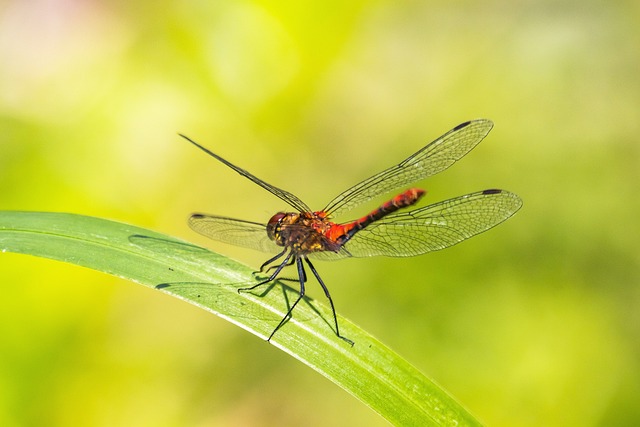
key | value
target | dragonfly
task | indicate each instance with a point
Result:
(301, 235)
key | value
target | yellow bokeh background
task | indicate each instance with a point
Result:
(534, 323)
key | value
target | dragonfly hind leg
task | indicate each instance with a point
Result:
(328, 295)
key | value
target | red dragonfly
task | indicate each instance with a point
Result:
(302, 235)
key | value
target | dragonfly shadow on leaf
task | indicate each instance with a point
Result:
(287, 293)
(177, 252)
(165, 246)
(223, 299)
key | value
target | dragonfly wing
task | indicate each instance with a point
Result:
(430, 160)
(434, 227)
(291, 199)
(237, 232)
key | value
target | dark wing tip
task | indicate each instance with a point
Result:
(462, 125)
(468, 122)
(492, 191)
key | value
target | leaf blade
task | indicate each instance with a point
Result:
(369, 370)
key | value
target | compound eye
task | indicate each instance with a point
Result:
(277, 218)
(273, 228)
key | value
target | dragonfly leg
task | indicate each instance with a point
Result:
(271, 267)
(270, 260)
(326, 292)
(302, 275)
(273, 276)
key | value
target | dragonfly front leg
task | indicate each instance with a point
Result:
(270, 260)
(271, 267)
(273, 276)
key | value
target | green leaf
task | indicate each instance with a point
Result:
(368, 370)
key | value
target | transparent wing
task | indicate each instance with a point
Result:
(430, 160)
(433, 227)
(247, 234)
(291, 199)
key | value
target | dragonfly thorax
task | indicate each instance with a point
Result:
(302, 232)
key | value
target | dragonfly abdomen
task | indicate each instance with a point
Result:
(408, 198)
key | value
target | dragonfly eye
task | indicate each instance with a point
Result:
(273, 227)
(276, 218)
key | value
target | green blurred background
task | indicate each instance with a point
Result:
(534, 323)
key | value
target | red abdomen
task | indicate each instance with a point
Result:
(341, 233)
